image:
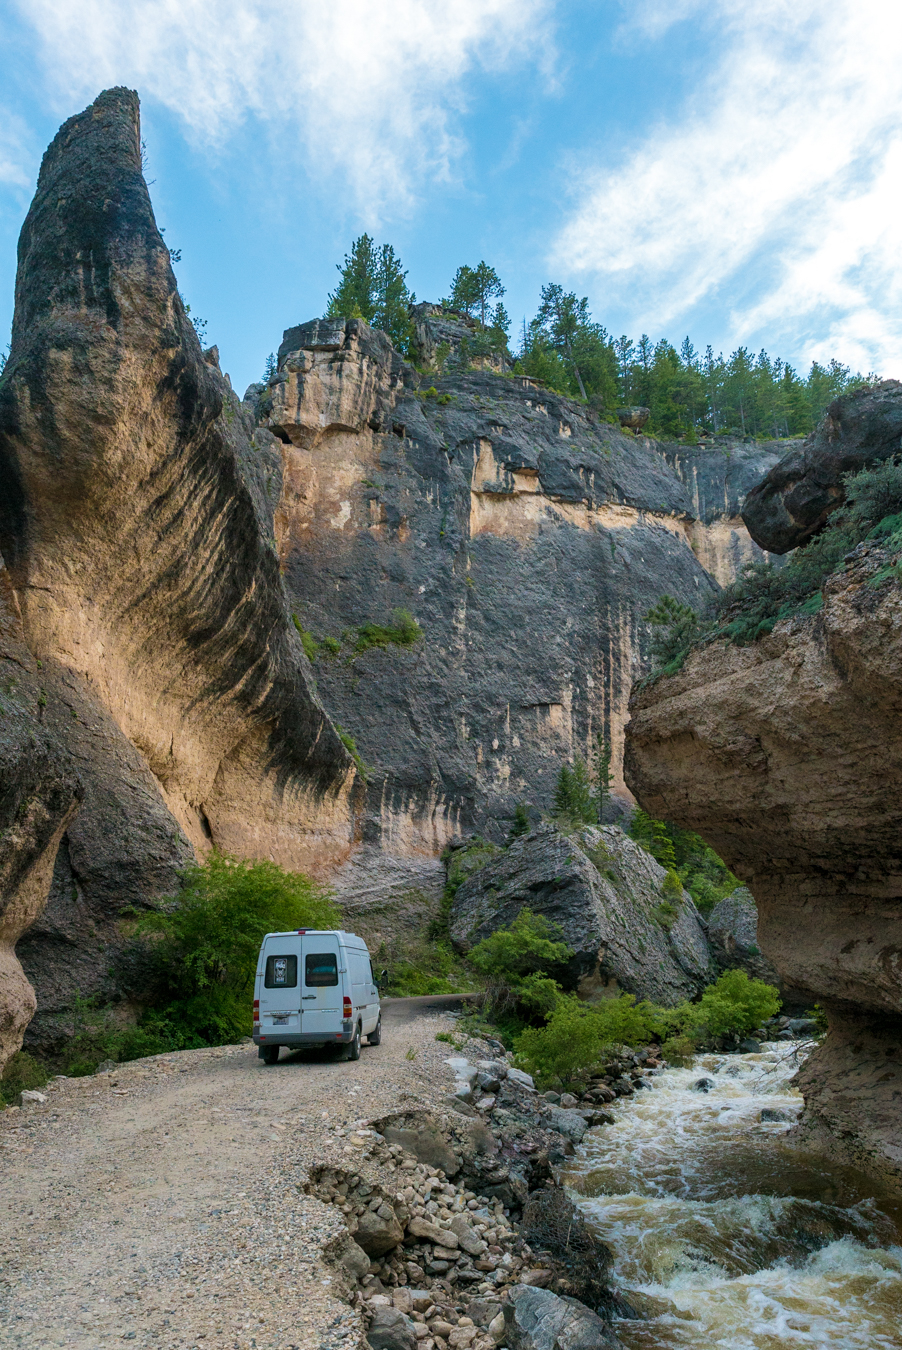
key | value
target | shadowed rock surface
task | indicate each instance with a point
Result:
(733, 937)
(526, 536)
(786, 757)
(136, 529)
(798, 494)
(604, 893)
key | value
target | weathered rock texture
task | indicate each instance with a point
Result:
(604, 893)
(526, 536)
(798, 494)
(786, 756)
(733, 937)
(136, 526)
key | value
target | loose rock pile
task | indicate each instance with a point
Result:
(454, 1216)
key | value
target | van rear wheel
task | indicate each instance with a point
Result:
(269, 1053)
(375, 1036)
(354, 1047)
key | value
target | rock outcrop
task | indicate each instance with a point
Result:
(527, 537)
(136, 527)
(605, 895)
(786, 757)
(733, 937)
(796, 497)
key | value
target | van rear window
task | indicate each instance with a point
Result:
(281, 972)
(320, 968)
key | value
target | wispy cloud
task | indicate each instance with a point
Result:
(368, 92)
(17, 151)
(776, 188)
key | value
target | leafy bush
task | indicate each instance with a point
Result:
(764, 594)
(463, 862)
(578, 1036)
(404, 632)
(308, 641)
(735, 1004)
(22, 1073)
(700, 871)
(530, 946)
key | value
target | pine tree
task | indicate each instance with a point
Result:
(473, 288)
(519, 823)
(603, 776)
(270, 368)
(356, 296)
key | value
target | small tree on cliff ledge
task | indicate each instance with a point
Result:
(373, 286)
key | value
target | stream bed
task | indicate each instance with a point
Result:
(726, 1235)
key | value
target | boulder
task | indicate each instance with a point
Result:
(552, 1223)
(798, 495)
(431, 1232)
(733, 937)
(604, 893)
(391, 1330)
(378, 1231)
(634, 419)
(569, 1123)
(537, 1319)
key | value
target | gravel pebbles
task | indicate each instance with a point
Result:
(164, 1204)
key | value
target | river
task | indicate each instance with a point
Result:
(723, 1233)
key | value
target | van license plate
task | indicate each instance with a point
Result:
(280, 1021)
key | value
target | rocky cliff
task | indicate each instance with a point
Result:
(525, 535)
(142, 574)
(159, 537)
(786, 757)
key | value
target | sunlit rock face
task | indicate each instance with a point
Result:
(137, 534)
(527, 536)
(786, 757)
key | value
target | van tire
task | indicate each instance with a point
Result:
(269, 1053)
(354, 1047)
(375, 1036)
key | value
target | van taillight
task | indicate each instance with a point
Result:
(348, 1011)
(256, 1012)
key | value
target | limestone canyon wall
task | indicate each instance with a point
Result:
(786, 757)
(528, 538)
(142, 572)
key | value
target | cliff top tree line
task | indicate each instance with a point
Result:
(689, 393)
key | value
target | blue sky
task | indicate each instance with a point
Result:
(727, 170)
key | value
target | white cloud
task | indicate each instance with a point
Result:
(782, 169)
(365, 90)
(17, 151)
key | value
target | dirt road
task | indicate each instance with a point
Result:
(160, 1204)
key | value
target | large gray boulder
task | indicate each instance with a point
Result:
(733, 936)
(795, 499)
(537, 1319)
(604, 893)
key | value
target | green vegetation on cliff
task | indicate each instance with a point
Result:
(764, 594)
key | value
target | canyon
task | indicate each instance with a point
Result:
(366, 609)
(168, 549)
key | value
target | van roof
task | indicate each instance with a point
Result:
(346, 939)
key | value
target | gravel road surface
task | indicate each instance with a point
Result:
(159, 1204)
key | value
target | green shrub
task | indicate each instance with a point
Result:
(530, 946)
(463, 862)
(22, 1073)
(203, 947)
(734, 1004)
(404, 632)
(308, 641)
(519, 823)
(701, 872)
(350, 745)
(577, 1037)
(764, 594)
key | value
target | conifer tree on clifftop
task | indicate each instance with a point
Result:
(373, 287)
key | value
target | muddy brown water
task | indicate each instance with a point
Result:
(727, 1236)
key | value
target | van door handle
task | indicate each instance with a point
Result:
(306, 996)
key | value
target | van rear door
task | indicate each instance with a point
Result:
(322, 985)
(280, 992)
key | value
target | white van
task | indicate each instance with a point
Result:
(314, 988)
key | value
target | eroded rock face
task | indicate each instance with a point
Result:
(786, 757)
(604, 893)
(527, 537)
(796, 497)
(733, 937)
(136, 525)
